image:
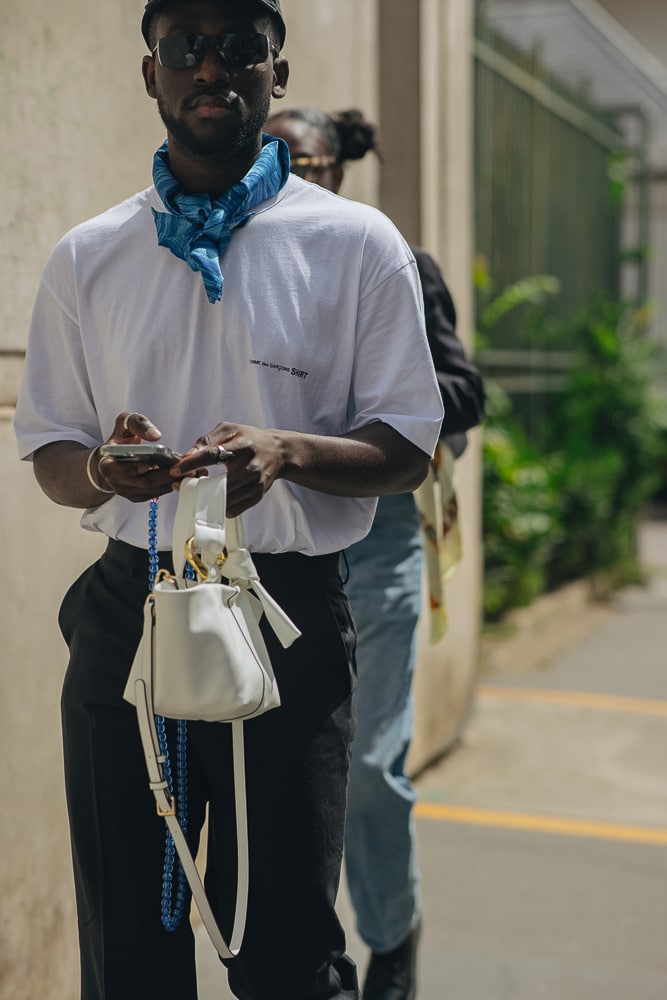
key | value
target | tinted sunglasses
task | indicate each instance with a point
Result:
(237, 50)
(308, 167)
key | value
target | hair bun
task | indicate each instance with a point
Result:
(357, 135)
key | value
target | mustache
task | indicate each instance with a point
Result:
(216, 97)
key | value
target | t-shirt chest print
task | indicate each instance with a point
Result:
(278, 367)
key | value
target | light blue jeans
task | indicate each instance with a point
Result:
(384, 587)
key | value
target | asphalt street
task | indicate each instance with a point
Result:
(543, 835)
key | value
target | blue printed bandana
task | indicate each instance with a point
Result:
(197, 229)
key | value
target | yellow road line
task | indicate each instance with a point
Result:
(541, 824)
(575, 699)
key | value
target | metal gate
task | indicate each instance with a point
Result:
(545, 205)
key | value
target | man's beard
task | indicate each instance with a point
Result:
(223, 145)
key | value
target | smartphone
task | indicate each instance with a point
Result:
(151, 454)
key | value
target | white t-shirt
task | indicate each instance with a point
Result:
(320, 329)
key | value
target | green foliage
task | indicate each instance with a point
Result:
(520, 513)
(529, 294)
(607, 431)
(529, 291)
(619, 175)
(569, 509)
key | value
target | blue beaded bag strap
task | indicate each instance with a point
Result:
(172, 909)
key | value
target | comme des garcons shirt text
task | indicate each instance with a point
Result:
(287, 369)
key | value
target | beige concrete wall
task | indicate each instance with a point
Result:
(77, 134)
(77, 130)
(446, 672)
(45, 550)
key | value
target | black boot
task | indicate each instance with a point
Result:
(393, 975)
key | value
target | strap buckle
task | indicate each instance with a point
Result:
(170, 810)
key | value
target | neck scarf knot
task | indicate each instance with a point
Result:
(198, 229)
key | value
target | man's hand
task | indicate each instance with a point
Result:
(368, 462)
(135, 480)
(257, 459)
(75, 476)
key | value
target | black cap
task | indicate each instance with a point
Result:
(272, 6)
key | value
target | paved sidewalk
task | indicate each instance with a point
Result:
(543, 836)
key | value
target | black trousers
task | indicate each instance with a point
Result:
(297, 759)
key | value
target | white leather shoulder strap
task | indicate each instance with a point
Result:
(166, 809)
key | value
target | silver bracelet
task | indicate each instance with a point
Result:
(100, 489)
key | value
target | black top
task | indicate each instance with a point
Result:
(460, 382)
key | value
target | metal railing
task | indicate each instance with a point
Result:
(543, 205)
(543, 201)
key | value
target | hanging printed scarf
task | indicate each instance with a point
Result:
(438, 513)
(197, 229)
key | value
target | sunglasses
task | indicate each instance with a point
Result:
(238, 50)
(309, 167)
